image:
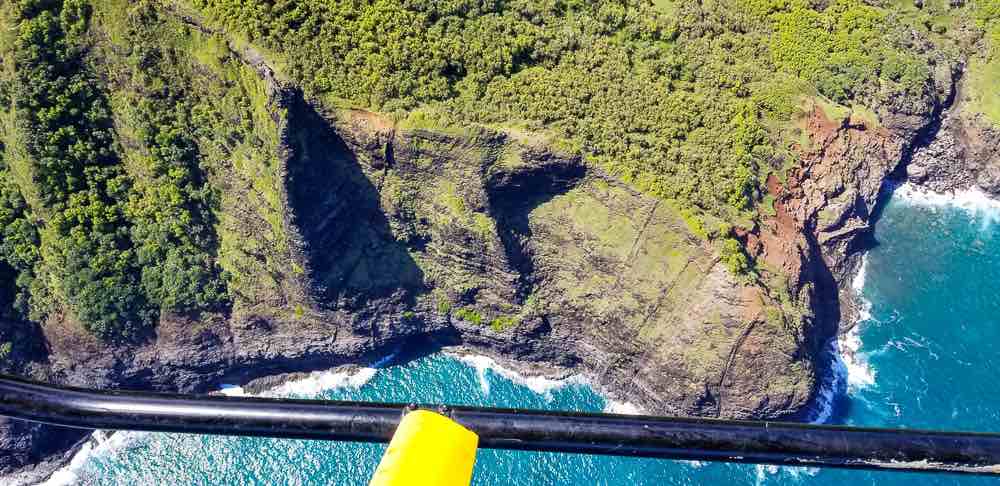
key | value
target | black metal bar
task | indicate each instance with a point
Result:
(779, 443)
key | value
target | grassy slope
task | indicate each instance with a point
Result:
(984, 97)
(973, 29)
(984, 68)
(693, 105)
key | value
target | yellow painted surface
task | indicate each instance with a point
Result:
(428, 450)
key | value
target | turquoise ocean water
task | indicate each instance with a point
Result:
(927, 355)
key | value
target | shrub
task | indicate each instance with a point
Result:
(504, 323)
(469, 315)
(735, 258)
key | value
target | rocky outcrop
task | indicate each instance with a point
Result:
(591, 273)
(636, 302)
(31, 452)
(408, 238)
(825, 207)
(965, 154)
(373, 235)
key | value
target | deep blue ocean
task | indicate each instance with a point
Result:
(927, 355)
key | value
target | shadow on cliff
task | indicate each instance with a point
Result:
(352, 254)
(21, 341)
(513, 195)
(828, 320)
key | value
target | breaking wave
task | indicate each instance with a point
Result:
(783, 474)
(100, 444)
(623, 408)
(973, 200)
(849, 392)
(539, 384)
(859, 373)
(104, 444)
(848, 369)
(321, 381)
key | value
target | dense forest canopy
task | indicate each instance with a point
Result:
(108, 211)
(670, 97)
(80, 228)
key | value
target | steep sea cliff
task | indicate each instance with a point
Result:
(552, 358)
(606, 282)
(919, 354)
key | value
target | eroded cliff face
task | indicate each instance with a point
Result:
(825, 207)
(358, 235)
(526, 253)
(409, 238)
(828, 200)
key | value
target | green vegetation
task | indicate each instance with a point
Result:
(200, 137)
(984, 77)
(469, 315)
(689, 101)
(170, 207)
(442, 304)
(63, 122)
(141, 171)
(499, 323)
(734, 257)
(503, 323)
(670, 97)
(984, 70)
(843, 49)
(106, 211)
(767, 206)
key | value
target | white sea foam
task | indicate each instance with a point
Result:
(830, 385)
(103, 444)
(623, 408)
(321, 381)
(232, 390)
(860, 373)
(481, 364)
(858, 283)
(971, 199)
(848, 368)
(784, 474)
(975, 201)
(538, 384)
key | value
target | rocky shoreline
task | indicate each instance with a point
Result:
(257, 381)
(958, 151)
(966, 155)
(824, 213)
(252, 382)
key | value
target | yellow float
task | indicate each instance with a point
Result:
(428, 449)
